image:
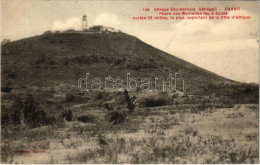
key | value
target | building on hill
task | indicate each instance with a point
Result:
(95, 28)
(101, 28)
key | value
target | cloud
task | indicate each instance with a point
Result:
(74, 23)
(107, 19)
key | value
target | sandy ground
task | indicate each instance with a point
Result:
(61, 144)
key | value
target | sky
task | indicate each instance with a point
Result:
(226, 47)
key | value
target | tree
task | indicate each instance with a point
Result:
(18, 112)
(32, 114)
(30, 107)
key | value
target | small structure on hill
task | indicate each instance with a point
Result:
(93, 29)
(101, 28)
(97, 28)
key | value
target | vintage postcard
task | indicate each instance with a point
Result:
(129, 82)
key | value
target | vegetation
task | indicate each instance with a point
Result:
(86, 118)
(70, 97)
(137, 127)
(186, 146)
(6, 89)
(129, 101)
(154, 100)
(68, 115)
(11, 74)
(27, 113)
(116, 117)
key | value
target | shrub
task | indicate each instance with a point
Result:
(70, 97)
(6, 89)
(154, 100)
(130, 101)
(17, 116)
(51, 120)
(27, 112)
(68, 115)
(33, 116)
(119, 61)
(86, 118)
(116, 117)
(11, 74)
(5, 119)
(40, 118)
(226, 102)
(120, 99)
(202, 105)
(99, 96)
(30, 107)
(109, 107)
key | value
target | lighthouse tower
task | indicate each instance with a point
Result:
(84, 23)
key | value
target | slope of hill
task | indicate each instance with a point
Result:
(66, 57)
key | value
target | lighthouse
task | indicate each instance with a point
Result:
(84, 23)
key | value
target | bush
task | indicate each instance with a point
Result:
(86, 118)
(17, 116)
(6, 89)
(30, 107)
(40, 119)
(27, 112)
(5, 119)
(33, 116)
(129, 101)
(108, 107)
(11, 74)
(68, 115)
(202, 105)
(116, 117)
(70, 97)
(99, 96)
(226, 102)
(51, 120)
(154, 100)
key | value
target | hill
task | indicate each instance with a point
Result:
(43, 111)
(63, 58)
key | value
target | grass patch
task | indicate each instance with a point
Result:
(187, 146)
